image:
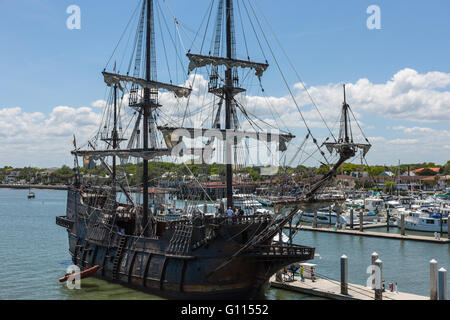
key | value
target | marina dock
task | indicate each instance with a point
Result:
(330, 289)
(375, 234)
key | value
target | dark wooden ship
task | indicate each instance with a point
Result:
(196, 256)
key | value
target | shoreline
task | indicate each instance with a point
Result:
(33, 186)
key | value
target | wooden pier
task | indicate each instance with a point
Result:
(375, 234)
(331, 289)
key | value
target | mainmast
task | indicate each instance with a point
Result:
(150, 102)
(229, 87)
(228, 104)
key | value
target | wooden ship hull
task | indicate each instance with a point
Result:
(180, 260)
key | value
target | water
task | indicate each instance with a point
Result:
(34, 254)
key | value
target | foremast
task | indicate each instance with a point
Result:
(145, 104)
(346, 148)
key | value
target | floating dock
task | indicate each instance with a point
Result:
(375, 234)
(331, 289)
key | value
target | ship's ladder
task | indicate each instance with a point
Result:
(103, 221)
(100, 223)
(181, 239)
(118, 256)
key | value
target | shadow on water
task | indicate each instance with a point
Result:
(95, 289)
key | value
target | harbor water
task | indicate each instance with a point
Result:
(34, 254)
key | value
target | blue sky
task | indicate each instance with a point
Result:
(45, 65)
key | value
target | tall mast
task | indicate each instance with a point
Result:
(148, 104)
(346, 117)
(115, 139)
(228, 105)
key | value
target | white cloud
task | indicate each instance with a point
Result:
(99, 104)
(37, 139)
(407, 96)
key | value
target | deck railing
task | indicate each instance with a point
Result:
(292, 251)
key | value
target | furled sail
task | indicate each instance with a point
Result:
(173, 136)
(112, 79)
(199, 61)
(140, 153)
(337, 146)
(124, 154)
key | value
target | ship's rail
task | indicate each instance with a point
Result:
(64, 222)
(238, 220)
(221, 220)
(283, 251)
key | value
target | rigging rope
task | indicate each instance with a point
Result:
(123, 34)
(286, 83)
(295, 70)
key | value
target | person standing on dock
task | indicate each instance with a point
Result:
(301, 274)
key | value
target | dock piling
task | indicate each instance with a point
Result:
(329, 217)
(315, 220)
(351, 218)
(387, 219)
(433, 279)
(361, 220)
(338, 214)
(344, 275)
(442, 287)
(373, 259)
(379, 280)
(402, 224)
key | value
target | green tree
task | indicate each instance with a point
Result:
(426, 172)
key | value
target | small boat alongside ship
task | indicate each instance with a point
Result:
(81, 275)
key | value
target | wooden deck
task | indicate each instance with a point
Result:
(376, 234)
(332, 290)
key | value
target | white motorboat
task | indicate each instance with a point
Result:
(249, 204)
(323, 217)
(418, 221)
